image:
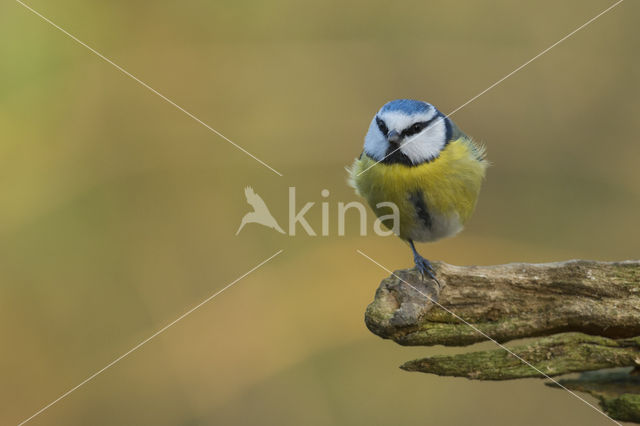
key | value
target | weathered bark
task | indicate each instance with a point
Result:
(509, 302)
(590, 312)
(553, 356)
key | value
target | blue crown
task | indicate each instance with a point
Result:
(408, 106)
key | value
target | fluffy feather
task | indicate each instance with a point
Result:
(450, 185)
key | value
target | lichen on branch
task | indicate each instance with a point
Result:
(586, 314)
(508, 302)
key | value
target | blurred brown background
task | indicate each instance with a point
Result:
(118, 212)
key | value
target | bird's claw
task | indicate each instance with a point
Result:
(425, 268)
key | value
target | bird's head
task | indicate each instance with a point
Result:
(408, 132)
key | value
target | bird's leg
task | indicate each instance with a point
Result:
(423, 265)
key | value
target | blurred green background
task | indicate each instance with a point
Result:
(118, 212)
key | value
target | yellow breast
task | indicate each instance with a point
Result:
(450, 185)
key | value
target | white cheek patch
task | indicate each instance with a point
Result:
(426, 145)
(419, 148)
(375, 144)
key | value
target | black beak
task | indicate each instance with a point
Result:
(393, 137)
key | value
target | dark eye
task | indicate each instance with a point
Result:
(416, 128)
(383, 127)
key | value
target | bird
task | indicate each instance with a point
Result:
(417, 158)
(260, 213)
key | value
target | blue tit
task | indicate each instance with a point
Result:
(417, 158)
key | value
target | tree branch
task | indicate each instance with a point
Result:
(617, 390)
(553, 356)
(589, 311)
(509, 302)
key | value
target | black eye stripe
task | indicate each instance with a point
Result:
(383, 127)
(417, 127)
